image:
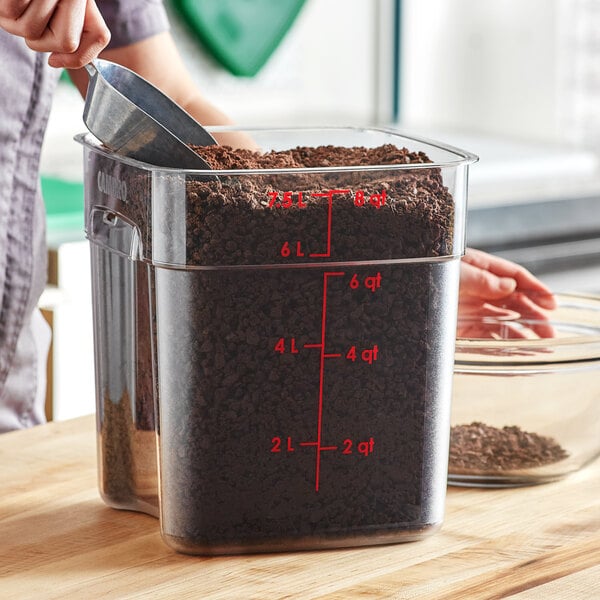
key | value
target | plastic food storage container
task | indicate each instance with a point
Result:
(286, 337)
(526, 401)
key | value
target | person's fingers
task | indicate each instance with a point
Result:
(525, 280)
(529, 312)
(480, 283)
(516, 308)
(94, 38)
(478, 319)
(73, 31)
(64, 30)
(471, 308)
(483, 324)
(13, 9)
(521, 303)
(503, 268)
(497, 330)
(30, 19)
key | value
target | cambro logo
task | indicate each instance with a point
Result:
(112, 186)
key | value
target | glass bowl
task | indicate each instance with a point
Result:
(526, 398)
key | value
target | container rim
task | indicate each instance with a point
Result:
(463, 156)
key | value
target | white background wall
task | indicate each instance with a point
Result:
(527, 69)
(482, 66)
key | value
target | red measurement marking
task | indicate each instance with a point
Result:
(321, 448)
(329, 195)
(276, 444)
(286, 200)
(322, 373)
(282, 348)
(320, 346)
(376, 200)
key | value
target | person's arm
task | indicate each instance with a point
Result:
(157, 60)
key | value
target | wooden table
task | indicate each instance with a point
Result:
(58, 540)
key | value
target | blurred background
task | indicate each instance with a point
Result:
(517, 83)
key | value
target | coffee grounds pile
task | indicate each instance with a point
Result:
(242, 383)
(416, 221)
(128, 461)
(480, 448)
(115, 454)
(226, 157)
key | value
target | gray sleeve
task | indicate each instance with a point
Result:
(131, 21)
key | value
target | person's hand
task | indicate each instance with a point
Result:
(73, 31)
(499, 298)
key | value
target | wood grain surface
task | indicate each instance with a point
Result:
(58, 540)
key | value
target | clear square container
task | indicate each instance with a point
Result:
(274, 347)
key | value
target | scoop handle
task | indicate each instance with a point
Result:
(91, 69)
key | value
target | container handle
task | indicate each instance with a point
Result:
(114, 232)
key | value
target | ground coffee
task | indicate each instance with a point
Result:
(301, 403)
(478, 448)
(127, 452)
(127, 457)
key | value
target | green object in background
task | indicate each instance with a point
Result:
(64, 77)
(64, 205)
(240, 34)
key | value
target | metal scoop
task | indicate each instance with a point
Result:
(133, 118)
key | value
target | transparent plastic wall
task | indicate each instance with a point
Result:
(302, 326)
(123, 345)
